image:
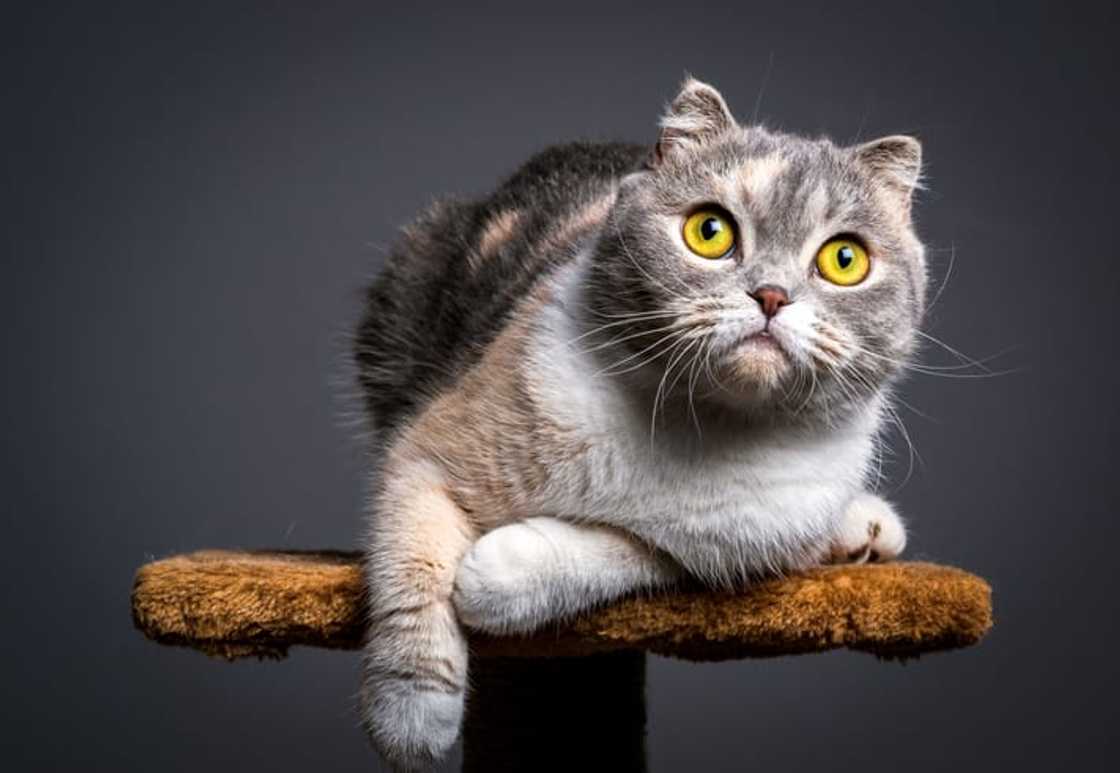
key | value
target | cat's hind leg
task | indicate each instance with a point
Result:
(415, 658)
(869, 531)
(519, 577)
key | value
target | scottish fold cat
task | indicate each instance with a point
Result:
(625, 366)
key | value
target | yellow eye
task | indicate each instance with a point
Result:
(709, 234)
(843, 262)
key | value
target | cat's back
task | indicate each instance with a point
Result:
(453, 279)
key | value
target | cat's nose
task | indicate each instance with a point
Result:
(771, 298)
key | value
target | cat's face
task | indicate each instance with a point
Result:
(760, 270)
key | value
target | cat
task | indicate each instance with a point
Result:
(627, 366)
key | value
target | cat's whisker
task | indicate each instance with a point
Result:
(610, 369)
(692, 348)
(593, 331)
(631, 336)
(708, 365)
(939, 371)
(967, 362)
(638, 314)
(668, 311)
(621, 322)
(894, 418)
(791, 389)
(945, 279)
(657, 395)
(812, 388)
(942, 371)
(665, 387)
(894, 398)
(615, 370)
(912, 449)
(694, 373)
(829, 356)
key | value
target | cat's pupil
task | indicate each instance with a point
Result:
(845, 256)
(709, 228)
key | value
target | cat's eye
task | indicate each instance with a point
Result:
(709, 233)
(843, 261)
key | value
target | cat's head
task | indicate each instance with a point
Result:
(760, 270)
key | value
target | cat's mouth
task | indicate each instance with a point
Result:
(761, 341)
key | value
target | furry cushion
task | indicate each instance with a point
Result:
(238, 604)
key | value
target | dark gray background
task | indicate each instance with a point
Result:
(193, 197)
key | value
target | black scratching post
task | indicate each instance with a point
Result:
(556, 713)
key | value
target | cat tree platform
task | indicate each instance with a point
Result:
(525, 689)
(234, 604)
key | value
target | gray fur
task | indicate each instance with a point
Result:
(570, 405)
(865, 196)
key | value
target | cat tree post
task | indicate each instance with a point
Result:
(543, 701)
(550, 713)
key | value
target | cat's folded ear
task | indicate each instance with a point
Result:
(896, 163)
(695, 116)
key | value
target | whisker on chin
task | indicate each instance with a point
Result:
(708, 366)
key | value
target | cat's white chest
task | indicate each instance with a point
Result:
(769, 501)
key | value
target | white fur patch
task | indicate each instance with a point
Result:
(756, 178)
(769, 502)
(870, 530)
(816, 206)
(520, 576)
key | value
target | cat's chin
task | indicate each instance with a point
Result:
(759, 363)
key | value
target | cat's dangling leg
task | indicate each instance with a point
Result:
(526, 574)
(415, 660)
(869, 530)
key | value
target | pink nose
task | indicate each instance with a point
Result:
(771, 299)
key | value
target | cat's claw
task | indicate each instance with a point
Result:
(870, 531)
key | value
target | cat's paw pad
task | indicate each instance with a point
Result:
(412, 723)
(870, 531)
(493, 585)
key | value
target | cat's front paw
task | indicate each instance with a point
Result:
(495, 588)
(870, 530)
(412, 719)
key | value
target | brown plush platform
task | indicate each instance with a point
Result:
(238, 604)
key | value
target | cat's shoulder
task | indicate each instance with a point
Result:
(454, 278)
(563, 172)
